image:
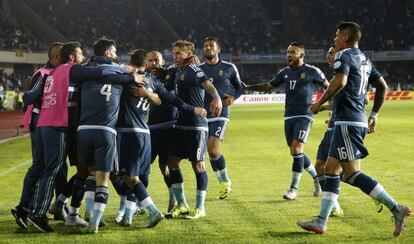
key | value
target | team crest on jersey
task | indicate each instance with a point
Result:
(182, 77)
(167, 77)
(337, 64)
(221, 72)
(285, 76)
(302, 76)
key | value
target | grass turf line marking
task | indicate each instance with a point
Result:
(15, 167)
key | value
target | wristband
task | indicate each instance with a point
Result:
(373, 115)
(216, 96)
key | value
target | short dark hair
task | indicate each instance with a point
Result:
(353, 29)
(67, 50)
(101, 45)
(212, 38)
(297, 44)
(138, 57)
(52, 47)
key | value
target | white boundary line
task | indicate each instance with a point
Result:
(15, 167)
(13, 138)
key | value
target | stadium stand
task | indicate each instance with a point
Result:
(382, 30)
(86, 26)
(16, 37)
(244, 27)
(239, 24)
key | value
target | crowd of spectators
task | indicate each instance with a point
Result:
(386, 24)
(14, 37)
(88, 20)
(15, 83)
(240, 24)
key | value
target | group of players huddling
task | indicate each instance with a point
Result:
(113, 120)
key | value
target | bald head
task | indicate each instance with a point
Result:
(154, 61)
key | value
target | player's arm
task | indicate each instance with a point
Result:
(325, 107)
(341, 67)
(380, 93)
(336, 85)
(216, 105)
(79, 73)
(172, 99)
(35, 92)
(325, 84)
(141, 91)
(122, 79)
(237, 85)
(265, 86)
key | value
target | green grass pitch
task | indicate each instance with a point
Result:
(260, 168)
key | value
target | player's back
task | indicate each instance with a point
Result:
(99, 100)
(100, 103)
(349, 103)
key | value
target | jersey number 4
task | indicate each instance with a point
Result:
(106, 91)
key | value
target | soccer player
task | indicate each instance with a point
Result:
(190, 134)
(298, 79)
(227, 81)
(323, 148)
(348, 88)
(134, 137)
(162, 119)
(97, 129)
(72, 54)
(53, 124)
(33, 105)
